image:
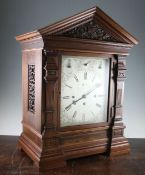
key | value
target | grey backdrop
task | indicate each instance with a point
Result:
(21, 16)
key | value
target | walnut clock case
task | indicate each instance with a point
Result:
(73, 75)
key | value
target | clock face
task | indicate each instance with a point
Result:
(84, 90)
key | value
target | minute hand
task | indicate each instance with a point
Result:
(91, 90)
(84, 95)
(74, 102)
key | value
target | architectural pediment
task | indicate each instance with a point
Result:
(92, 24)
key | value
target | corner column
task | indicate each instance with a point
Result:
(52, 154)
(119, 144)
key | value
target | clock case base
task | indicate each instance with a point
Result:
(50, 158)
(42, 139)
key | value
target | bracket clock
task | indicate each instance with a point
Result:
(73, 75)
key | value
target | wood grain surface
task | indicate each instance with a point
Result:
(15, 162)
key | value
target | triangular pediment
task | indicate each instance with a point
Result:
(92, 24)
(90, 30)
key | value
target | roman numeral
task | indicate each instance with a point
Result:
(76, 78)
(69, 64)
(85, 75)
(74, 115)
(98, 105)
(66, 97)
(100, 65)
(94, 77)
(83, 117)
(68, 86)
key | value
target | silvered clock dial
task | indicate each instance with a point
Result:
(84, 90)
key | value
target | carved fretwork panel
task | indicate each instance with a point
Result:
(90, 30)
(31, 88)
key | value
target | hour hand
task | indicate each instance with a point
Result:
(74, 102)
(68, 107)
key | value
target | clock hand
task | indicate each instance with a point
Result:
(91, 90)
(83, 96)
(68, 107)
(74, 102)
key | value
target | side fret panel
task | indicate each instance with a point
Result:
(31, 88)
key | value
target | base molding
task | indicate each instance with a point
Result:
(120, 146)
(29, 147)
(43, 159)
(46, 158)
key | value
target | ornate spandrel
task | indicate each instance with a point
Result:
(90, 30)
(31, 88)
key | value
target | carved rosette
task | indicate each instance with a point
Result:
(90, 30)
